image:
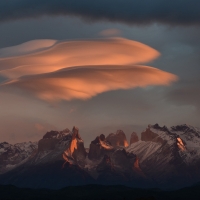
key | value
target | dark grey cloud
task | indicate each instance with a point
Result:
(186, 93)
(133, 12)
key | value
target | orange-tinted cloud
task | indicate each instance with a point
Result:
(86, 82)
(110, 32)
(56, 56)
(67, 70)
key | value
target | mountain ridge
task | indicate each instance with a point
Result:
(61, 156)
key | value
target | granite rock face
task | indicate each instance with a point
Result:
(175, 149)
(163, 157)
(99, 147)
(117, 139)
(149, 135)
(123, 160)
(105, 165)
(57, 163)
(76, 148)
(134, 138)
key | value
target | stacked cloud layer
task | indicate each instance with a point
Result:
(65, 70)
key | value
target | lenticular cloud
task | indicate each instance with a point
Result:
(65, 70)
(114, 51)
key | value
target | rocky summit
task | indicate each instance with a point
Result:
(163, 157)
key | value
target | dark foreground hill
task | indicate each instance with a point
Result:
(100, 192)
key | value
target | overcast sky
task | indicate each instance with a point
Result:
(129, 96)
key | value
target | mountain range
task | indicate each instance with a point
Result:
(167, 158)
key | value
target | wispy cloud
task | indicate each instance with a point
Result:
(26, 48)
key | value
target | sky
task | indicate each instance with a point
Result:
(98, 65)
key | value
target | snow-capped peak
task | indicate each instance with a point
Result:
(14, 155)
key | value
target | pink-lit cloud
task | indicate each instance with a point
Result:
(112, 51)
(67, 70)
(86, 82)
